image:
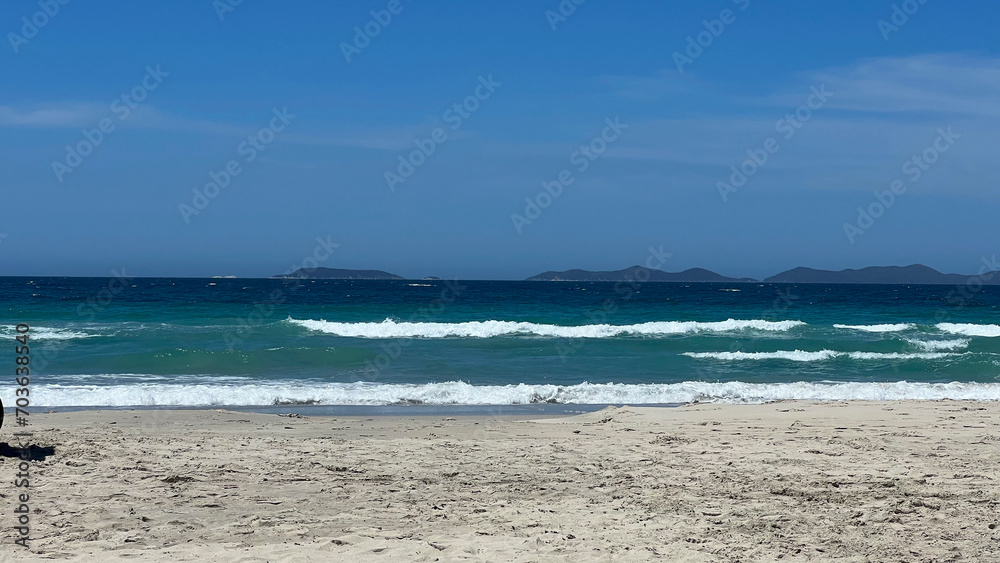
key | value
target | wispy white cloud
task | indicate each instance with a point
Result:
(881, 113)
(937, 83)
(387, 139)
(74, 115)
(959, 83)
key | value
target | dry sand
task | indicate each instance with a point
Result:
(793, 481)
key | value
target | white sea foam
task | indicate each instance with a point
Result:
(457, 392)
(791, 355)
(934, 345)
(43, 333)
(899, 355)
(990, 331)
(879, 328)
(803, 356)
(487, 329)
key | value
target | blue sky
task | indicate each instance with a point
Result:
(208, 82)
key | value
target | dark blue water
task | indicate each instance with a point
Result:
(143, 341)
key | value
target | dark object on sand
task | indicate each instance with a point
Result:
(30, 453)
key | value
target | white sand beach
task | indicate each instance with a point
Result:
(790, 481)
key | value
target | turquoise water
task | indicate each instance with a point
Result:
(192, 342)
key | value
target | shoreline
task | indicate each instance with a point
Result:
(798, 480)
(539, 409)
(451, 394)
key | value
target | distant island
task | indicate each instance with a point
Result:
(913, 274)
(692, 275)
(916, 274)
(338, 274)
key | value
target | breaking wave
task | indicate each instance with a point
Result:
(878, 328)
(43, 333)
(934, 345)
(989, 331)
(488, 329)
(802, 356)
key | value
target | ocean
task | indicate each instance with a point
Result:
(239, 342)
